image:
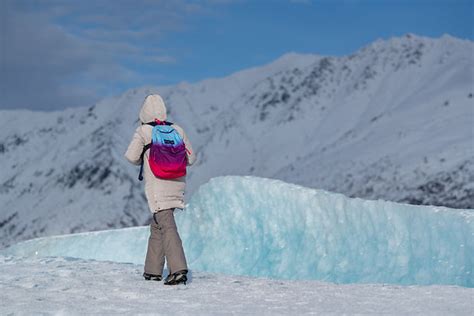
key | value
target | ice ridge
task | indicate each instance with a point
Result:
(269, 228)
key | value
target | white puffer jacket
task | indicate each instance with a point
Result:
(161, 193)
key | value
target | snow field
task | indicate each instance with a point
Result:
(58, 286)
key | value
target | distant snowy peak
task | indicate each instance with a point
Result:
(397, 47)
(326, 79)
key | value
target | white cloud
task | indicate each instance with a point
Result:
(85, 47)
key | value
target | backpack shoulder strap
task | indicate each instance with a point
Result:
(145, 148)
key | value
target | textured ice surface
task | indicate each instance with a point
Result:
(65, 286)
(262, 227)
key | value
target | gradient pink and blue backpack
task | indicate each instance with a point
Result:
(167, 157)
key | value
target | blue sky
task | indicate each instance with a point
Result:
(57, 54)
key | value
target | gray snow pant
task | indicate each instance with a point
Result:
(164, 242)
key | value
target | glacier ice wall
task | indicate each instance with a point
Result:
(262, 227)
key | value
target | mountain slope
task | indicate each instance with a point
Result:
(394, 120)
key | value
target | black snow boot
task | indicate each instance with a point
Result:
(177, 278)
(154, 277)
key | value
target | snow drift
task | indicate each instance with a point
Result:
(262, 227)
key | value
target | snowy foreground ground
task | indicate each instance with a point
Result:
(76, 286)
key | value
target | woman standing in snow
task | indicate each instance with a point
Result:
(164, 192)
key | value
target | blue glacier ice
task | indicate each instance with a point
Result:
(263, 227)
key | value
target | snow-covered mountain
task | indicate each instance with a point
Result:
(394, 121)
